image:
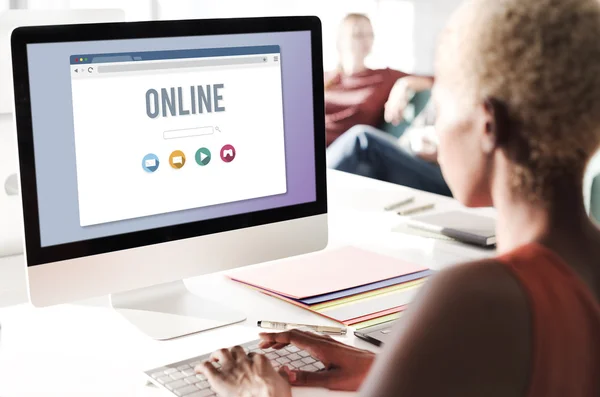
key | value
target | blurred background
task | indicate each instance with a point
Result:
(405, 33)
(405, 29)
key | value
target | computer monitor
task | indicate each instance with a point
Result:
(11, 19)
(10, 212)
(151, 152)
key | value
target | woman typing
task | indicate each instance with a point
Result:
(518, 117)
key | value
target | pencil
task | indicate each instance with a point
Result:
(399, 204)
(414, 210)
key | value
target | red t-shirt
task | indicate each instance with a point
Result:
(356, 99)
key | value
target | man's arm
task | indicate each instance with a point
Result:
(403, 90)
(419, 83)
(469, 336)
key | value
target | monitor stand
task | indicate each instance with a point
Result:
(170, 310)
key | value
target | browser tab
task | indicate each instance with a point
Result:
(117, 58)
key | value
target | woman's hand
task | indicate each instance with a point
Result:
(346, 367)
(243, 375)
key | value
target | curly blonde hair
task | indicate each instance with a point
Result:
(541, 60)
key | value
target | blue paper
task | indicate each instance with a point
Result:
(313, 300)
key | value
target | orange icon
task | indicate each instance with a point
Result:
(177, 159)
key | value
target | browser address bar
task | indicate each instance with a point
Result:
(194, 63)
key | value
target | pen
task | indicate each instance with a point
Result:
(287, 326)
(414, 210)
(399, 204)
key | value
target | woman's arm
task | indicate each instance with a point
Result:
(468, 336)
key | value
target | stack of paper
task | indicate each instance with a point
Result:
(349, 285)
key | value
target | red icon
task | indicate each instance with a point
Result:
(227, 153)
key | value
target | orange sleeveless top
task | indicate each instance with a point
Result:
(565, 324)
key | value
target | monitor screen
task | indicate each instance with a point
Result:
(139, 134)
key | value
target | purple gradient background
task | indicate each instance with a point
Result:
(54, 145)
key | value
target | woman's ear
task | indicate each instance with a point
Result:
(496, 125)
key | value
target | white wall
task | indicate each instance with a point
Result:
(392, 19)
(430, 18)
(396, 46)
(330, 14)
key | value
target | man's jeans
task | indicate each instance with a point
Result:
(367, 151)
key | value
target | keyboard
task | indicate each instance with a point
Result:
(179, 379)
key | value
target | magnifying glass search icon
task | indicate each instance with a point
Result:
(217, 129)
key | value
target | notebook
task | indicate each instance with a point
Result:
(459, 225)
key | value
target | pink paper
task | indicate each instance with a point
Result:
(324, 272)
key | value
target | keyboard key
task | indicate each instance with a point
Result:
(184, 391)
(298, 364)
(202, 393)
(294, 357)
(292, 349)
(195, 364)
(170, 371)
(304, 353)
(200, 376)
(253, 347)
(178, 375)
(282, 360)
(182, 367)
(176, 384)
(192, 379)
(309, 368)
(202, 385)
(274, 363)
(319, 365)
(189, 372)
(164, 379)
(160, 372)
(308, 360)
(272, 356)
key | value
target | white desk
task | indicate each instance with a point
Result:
(88, 350)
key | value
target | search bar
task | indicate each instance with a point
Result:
(188, 132)
(195, 63)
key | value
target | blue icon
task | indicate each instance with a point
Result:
(150, 163)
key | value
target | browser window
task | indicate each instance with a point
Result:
(166, 131)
